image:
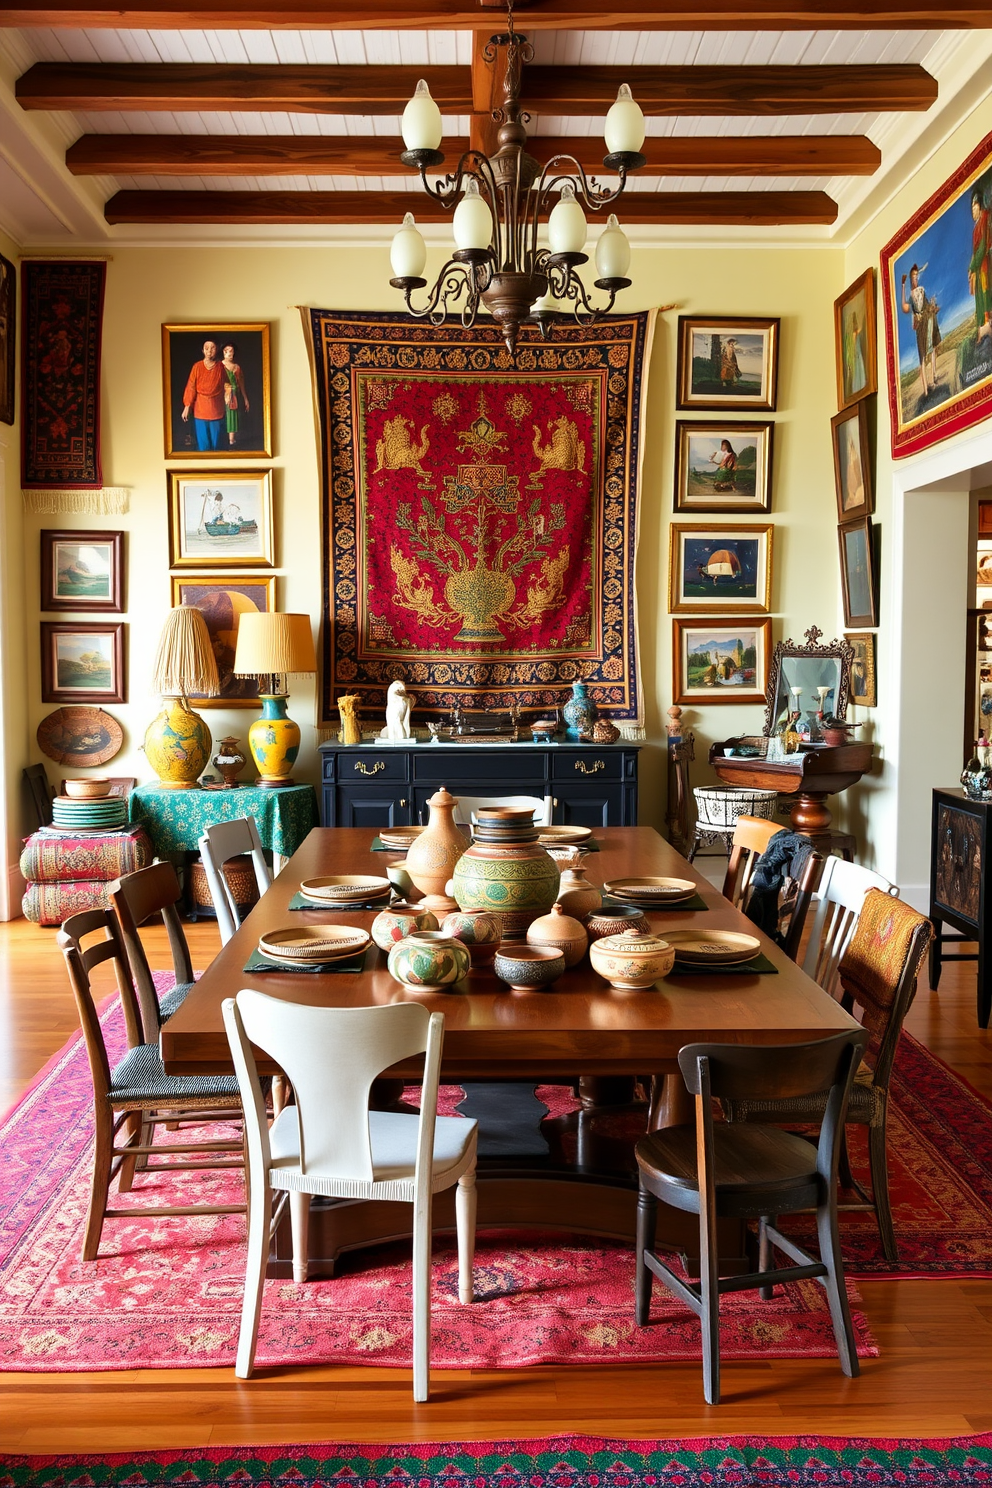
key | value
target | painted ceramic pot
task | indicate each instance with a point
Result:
(632, 961)
(506, 871)
(579, 713)
(427, 960)
(433, 856)
(480, 931)
(230, 760)
(560, 932)
(274, 741)
(398, 921)
(528, 968)
(177, 745)
(618, 920)
(576, 895)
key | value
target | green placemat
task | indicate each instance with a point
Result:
(300, 901)
(759, 964)
(257, 962)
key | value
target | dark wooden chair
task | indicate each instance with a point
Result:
(878, 975)
(752, 835)
(39, 789)
(137, 1094)
(748, 1172)
(136, 898)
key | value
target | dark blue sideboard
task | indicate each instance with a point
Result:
(387, 785)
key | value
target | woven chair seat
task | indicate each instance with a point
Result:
(141, 1077)
(866, 1106)
(172, 1000)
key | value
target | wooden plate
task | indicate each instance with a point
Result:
(314, 942)
(341, 887)
(646, 889)
(80, 736)
(563, 836)
(399, 836)
(727, 947)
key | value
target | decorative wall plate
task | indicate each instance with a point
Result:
(80, 736)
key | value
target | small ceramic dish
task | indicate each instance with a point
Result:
(528, 968)
(87, 790)
(563, 836)
(648, 890)
(399, 837)
(713, 947)
(314, 943)
(340, 887)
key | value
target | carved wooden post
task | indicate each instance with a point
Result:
(681, 750)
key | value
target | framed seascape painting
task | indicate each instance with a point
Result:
(82, 663)
(721, 660)
(82, 571)
(217, 394)
(220, 519)
(715, 566)
(852, 463)
(937, 289)
(8, 337)
(855, 341)
(863, 686)
(857, 572)
(727, 362)
(222, 599)
(723, 467)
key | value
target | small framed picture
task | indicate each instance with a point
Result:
(82, 571)
(8, 337)
(852, 464)
(723, 467)
(863, 688)
(222, 599)
(857, 572)
(727, 362)
(721, 660)
(220, 519)
(82, 662)
(854, 341)
(217, 391)
(718, 566)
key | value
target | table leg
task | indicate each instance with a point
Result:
(671, 1103)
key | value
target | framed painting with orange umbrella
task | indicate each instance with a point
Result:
(222, 599)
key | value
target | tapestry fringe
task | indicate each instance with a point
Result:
(107, 501)
(634, 732)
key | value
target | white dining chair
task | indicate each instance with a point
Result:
(836, 906)
(220, 843)
(467, 807)
(330, 1143)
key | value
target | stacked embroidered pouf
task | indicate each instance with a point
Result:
(69, 865)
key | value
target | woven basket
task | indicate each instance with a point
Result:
(719, 806)
(240, 875)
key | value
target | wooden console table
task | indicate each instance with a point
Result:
(814, 773)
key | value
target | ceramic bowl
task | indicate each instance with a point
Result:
(631, 961)
(428, 960)
(87, 790)
(614, 920)
(480, 931)
(528, 968)
(398, 921)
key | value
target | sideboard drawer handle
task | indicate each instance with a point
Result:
(363, 769)
(585, 769)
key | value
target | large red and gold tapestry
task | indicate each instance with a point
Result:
(479, 511)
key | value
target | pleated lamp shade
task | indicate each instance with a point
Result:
(185, 661)
(274, 643)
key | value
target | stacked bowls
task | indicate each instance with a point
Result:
(94, 815)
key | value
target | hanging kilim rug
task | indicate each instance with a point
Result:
(63, 313)
(553, 1462)
(480, 511)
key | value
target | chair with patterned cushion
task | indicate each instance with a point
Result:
(878, 974)
(837, 903)
(136, 1095)
(136, 897)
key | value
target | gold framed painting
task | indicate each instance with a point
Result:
(855, 344)
(717, 566)
(723, 466)
(864, 688)
(727, 362)
(222, 598)
(216, 386)
(721, 659)
(220, 519)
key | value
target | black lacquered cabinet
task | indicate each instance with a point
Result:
(592, 785)
(959, 887)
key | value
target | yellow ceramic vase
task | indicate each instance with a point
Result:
(177, 745)
(274, 741)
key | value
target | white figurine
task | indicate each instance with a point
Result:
(398, 705)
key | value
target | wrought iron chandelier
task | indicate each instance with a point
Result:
(499, 203)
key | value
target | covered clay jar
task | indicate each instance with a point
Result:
(632, 960)
(398, 921)
(480, 931)
(428, 959)
(560, 932)
(506, 870)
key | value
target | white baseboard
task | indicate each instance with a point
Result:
(10, 901)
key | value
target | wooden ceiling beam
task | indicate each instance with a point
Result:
(341, 208)
(577, 15)
(661, 91)
(378, 155)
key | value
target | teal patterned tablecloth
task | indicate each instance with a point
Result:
(176, 819)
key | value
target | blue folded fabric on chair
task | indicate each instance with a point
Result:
(784, 858)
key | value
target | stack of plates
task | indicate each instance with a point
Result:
(314, 943)
(714, 948)
(399, 838)
(344, 889)
(564, 836)
(651, 891)
(96, 815)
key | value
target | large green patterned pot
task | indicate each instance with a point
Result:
(516, 879)
(426, 960)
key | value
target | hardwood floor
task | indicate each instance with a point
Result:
(933, 1377)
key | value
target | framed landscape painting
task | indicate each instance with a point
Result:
(723, 467)
(218, 519)
(715, 566)
(82, 570)
(727, 362)
(721, 660)
(857, 571)
(937, 288)
(863, 686)
(852, 464)
(216, 386)
(82, 663)
(855, 341)
(222, 599)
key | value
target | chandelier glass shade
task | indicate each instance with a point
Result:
(499, 203)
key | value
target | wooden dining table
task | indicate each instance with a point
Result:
(575, 1170)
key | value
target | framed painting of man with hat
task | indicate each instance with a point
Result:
(727, 362)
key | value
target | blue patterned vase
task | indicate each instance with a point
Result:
(579, 713)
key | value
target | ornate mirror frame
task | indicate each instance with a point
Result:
(839, 650)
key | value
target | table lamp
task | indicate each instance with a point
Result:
(271, 647)
(177, 744)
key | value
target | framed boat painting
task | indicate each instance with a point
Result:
(855, 341)
(82, 662)
(718, 566)
(222, 599)
(217, 519)
(727, 362)
(857, 572)
(216, 387)
(723, 467)
(722, 659)
(937, 290)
